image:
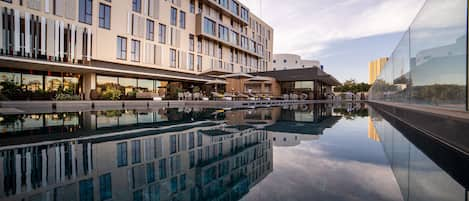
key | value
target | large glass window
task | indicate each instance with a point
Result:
(128, 85)
(150, 30)
(135, 51)
(105, 187)
(32, 82)
(104, 16)
(53, 83)
(174, 13)
(121, 48)
(162, 33)
(71, 84)
(10, 77)
(85, 11)
(105, 82)
(146, 85)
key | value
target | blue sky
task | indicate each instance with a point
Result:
(343, 34)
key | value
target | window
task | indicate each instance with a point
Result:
(104, 16)
(244, 14)
(223, 3)
(191, 42)
(172, 144)
(223, 32)
(150, 30)
(135, 51)
(234, 7)
(192, 6)
(174, 14)
(105, 187)
(85, 11)
(150, 172)
(209, 26)
(121, 48)
(162, 168)
(137, 5)
(136, 152)
(162, 34)
(122, 154)
(172, 58)
(86, 190)
(191, 61)
(199, 45)
(199, 63)
(182, 19)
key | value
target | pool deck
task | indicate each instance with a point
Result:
(25, 107)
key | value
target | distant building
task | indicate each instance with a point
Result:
(292, 61)
(375, 68)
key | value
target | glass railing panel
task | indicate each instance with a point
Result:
(438, 50)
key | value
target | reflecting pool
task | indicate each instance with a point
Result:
(294, 152)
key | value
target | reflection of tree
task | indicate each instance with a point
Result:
(438, 93)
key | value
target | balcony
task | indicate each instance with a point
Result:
(225, 10)
(200, 31)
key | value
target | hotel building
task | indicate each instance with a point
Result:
(86, 46)
(375, 67)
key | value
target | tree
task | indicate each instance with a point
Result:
(352, 86)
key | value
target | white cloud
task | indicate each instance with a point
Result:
(306, 27)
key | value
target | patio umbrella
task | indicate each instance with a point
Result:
(260, 79)
(237, 75)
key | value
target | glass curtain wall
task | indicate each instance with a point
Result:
(429, 65)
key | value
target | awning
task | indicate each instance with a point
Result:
(101, 67)
(216, 81)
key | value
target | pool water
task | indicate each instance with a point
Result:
(290, 153)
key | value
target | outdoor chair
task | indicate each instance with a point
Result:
(187, 96)
(197, 96)
(180, 96)
(286, 97)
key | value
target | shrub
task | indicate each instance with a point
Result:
(111, 93)
(67, 97)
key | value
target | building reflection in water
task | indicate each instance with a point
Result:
(425, 169)
(149, 155)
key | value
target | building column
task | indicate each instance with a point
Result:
(89, 84)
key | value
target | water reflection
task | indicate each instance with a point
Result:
(164, 154)
(425, 169)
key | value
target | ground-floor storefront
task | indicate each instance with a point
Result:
(40, 80)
